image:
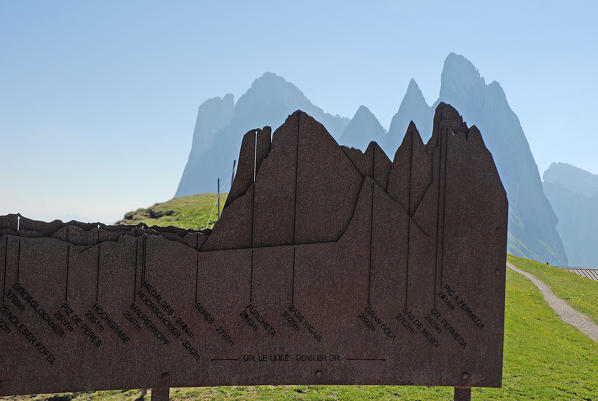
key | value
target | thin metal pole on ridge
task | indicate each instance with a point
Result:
(232, 176)
(218, 211)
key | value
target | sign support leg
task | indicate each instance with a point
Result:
(462, 393)
(162, 392)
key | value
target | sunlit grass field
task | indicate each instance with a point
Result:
(579, 292)
(190, 212)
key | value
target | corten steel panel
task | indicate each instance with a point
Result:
(333, 267)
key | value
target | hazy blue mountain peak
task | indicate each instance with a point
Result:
(532, 221)
(229, 97)
(572, 178)
(573, 193)
(212, 115)
(365, 118)
(269, 80)
(458, 67)
(497, 93)
(413, 108)
(270, 99)
(269, 76)
(364, 113)
(414, 93)
(271, 88)
(363, 128)
(218, 133)
(459, 75)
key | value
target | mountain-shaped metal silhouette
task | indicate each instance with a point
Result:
(328, 266)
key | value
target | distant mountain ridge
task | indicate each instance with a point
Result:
(573, 194)
(532, 222)
(221, 124)
(572, 178)
(270, 99)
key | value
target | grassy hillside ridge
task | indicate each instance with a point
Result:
(580, 292)
(545, 359)
(190, 212)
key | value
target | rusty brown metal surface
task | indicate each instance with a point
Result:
(331, 266)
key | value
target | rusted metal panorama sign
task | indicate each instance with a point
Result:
(328, 266)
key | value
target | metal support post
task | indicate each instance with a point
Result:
(162, 392)
(462, 393)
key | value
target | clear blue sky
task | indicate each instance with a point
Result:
(98, 98)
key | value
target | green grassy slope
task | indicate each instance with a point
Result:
(190, 212)
(580, 292)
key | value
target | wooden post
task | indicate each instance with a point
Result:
(162, 392)
(462, 393)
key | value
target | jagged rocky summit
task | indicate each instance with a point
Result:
(322, 188)
(573, 194)
(532, 221)
(374, 253)
(221, 122)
